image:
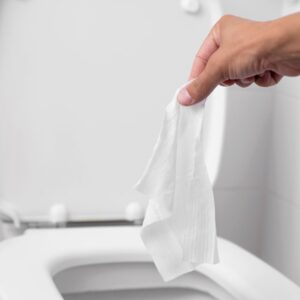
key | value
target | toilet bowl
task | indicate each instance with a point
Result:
(110, 262)
(82, 98)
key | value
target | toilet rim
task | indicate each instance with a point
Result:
(49, 251)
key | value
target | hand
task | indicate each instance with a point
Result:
(242, 52)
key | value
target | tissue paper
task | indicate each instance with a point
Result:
(179, 228)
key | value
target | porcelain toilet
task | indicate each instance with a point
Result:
(83, 85)
(111, 263)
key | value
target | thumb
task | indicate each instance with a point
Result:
(201, 86)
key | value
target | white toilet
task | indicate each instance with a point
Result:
(83, 85)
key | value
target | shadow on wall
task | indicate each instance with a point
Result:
(239, 189)
(281, 222)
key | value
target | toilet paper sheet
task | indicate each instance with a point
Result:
(179, 229)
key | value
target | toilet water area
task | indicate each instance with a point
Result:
(143, 294)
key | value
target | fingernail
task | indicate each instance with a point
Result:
(184, 97)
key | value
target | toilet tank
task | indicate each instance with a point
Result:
(83, 86)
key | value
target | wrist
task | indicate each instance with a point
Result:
(282, 41)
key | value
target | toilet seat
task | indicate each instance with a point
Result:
(30, 261)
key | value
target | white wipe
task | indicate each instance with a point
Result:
(179, 229)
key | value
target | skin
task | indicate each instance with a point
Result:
(243, 52)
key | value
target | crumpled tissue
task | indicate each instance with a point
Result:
(179, 229)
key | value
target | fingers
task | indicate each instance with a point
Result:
(206, 76)
(203, 85)
(211, 76)
(267, 78)
(245, 82)
(209, 46)
(228, 82)
(240, 82)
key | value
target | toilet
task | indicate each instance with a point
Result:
(110, 262)
(83, 86)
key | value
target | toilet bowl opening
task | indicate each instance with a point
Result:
(145, 294)
(134, 280)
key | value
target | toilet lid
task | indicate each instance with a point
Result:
(83, 86)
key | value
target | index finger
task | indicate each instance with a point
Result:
(209, 46)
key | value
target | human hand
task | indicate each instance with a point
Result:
(240, 51)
